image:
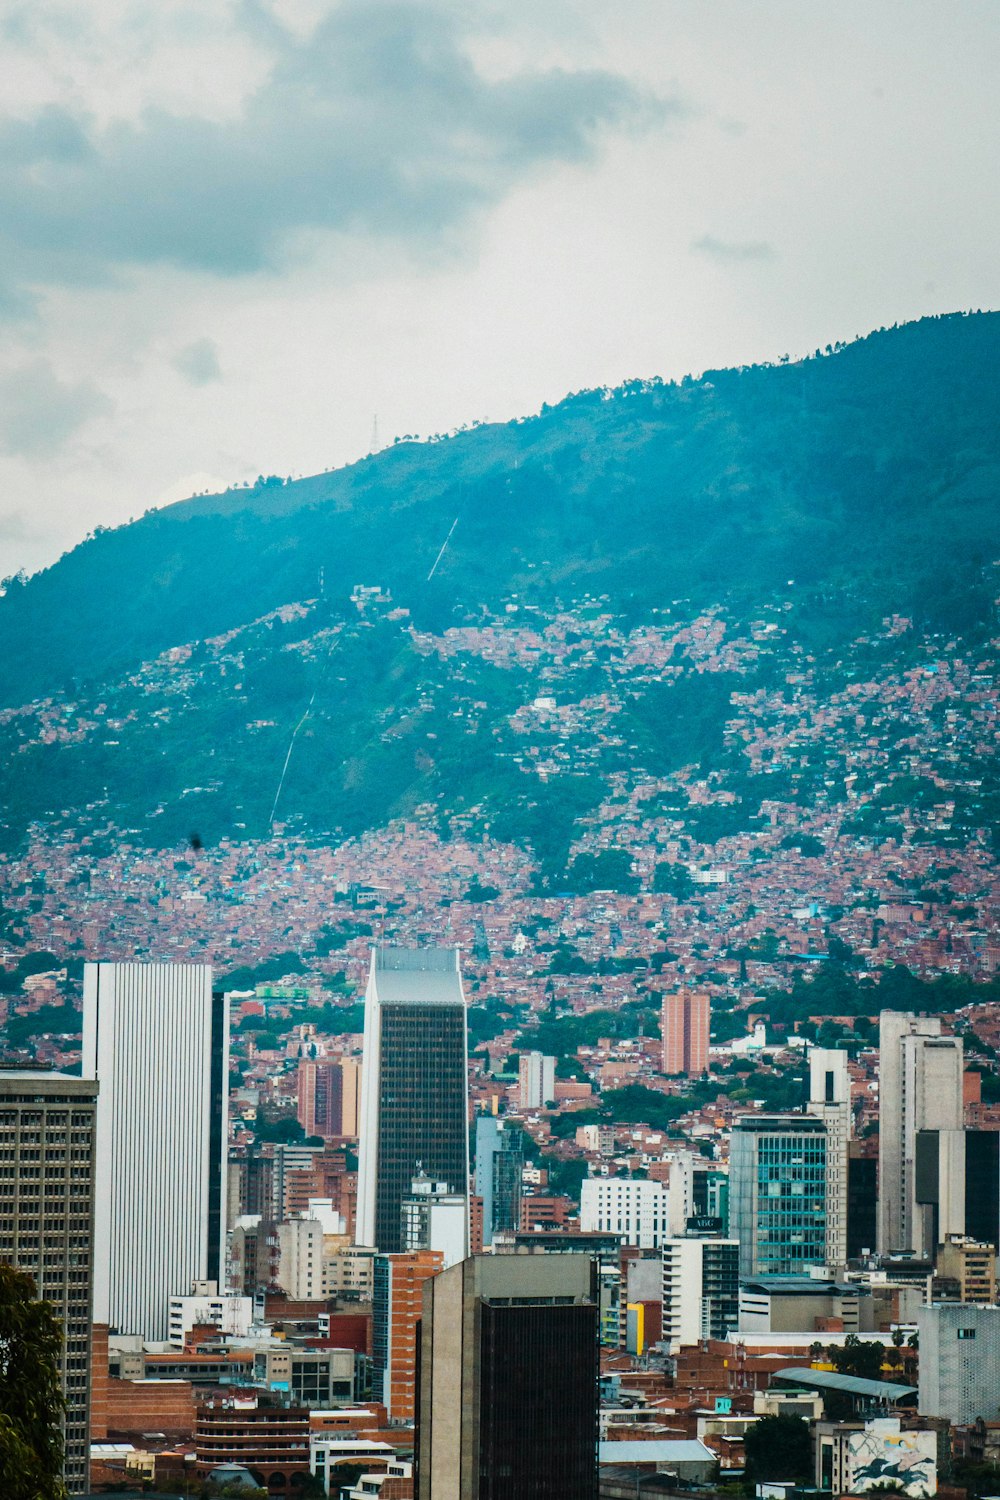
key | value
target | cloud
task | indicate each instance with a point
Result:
(39, 412)
(13, 527)
(199, 362)
(734, 250)
(378, 124)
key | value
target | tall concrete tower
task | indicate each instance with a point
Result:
(830, 1101)
(920, 1088)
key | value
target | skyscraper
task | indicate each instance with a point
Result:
(508, 1380)
(920, 1089)
(414, 1089)
(686, 1019)
(157, 1040)
(499, 1163)
(830, 1101)
(47, 1222)
(777, 1194)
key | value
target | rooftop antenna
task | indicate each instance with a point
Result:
(375, 444)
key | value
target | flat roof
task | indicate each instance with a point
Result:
(656, 1451)
(417, 976)
(803, 1286)
(829, 1380)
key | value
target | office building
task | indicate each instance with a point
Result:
(920, 1088)
(606, 1252)
(536, 1075)
(971, 1265)
(47, 1223)
(862, 1201)
(803, 1304)
(435, 1218)
(414, 1091)
(231, 1314)
(830, 1101)
(300, 1270)
(777, 1193)
(499, 1163)
(396, 1309)
(634, 1207)
(328, 1095)
(157, 1040)
(509, 1380)
(700, 1290)
(710, 1197)
(959, 1362)
(686, 1022)
(982, 1185)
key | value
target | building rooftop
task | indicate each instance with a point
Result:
(417, 976)
(853, 1385)
(655, 1451)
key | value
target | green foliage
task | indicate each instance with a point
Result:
(36, 962)
(609, 870)
(778, 1448)
(47, 1020)
(268, 972)
(869, 477)
(31, 1400)
(478, 893)
(857, 1357)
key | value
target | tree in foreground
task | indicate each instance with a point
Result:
(778, 1448)
(31, 1399)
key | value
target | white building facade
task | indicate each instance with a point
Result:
(830, 1101)
(634, 1207)
(229, 1313)
(157, 1041)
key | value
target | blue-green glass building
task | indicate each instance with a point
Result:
(777, 1193)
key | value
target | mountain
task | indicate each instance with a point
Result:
(154, 677)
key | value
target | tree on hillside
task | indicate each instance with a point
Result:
(778, 1448)
(31, 1400)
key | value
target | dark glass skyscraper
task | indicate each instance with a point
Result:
(414, 1091)
(508, 1380)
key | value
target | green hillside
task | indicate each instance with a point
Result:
(870, 476)
(826, 495)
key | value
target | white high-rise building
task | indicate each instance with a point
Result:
(830, 1101)
(157, 1041)
(536, 1080)
(920, 1088)
(701, 1279)
(634, 1207)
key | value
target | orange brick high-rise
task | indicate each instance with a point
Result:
(685, 1021)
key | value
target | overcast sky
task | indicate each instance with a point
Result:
(231, 234)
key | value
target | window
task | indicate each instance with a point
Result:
(966, 1333)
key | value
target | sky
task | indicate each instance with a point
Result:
(235, 237)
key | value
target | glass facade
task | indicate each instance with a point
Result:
(422, 1108)
(778, 1194)
(538, 1402)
